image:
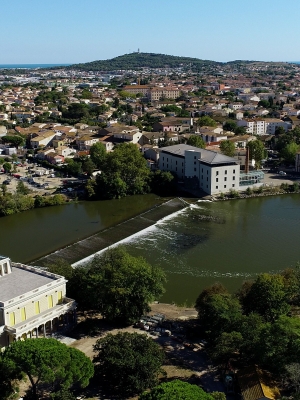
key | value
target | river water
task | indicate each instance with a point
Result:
(226, 241)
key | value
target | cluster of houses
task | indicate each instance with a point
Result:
(242, 96)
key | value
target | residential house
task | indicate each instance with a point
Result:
(42, 139)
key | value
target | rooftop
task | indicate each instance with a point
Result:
(207, 156)
(21, 281)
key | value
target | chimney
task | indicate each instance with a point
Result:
(247, 160)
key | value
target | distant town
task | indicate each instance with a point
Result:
(137, 124)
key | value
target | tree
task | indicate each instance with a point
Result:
(227, 346)
(22, 189)
(49, 361)
(257, 151)
(227, 148)
(197, 141)
(7, 167)
(293, 375)
(123, 286)
(230, 126)
(206, 121)
(128, 362)
(178, 390)
(13, 140)
(267, 297)
(218, 311)
(163, 183)
(289, 152)
(98, 154)
(125, 172)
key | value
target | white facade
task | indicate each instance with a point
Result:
(212, 172)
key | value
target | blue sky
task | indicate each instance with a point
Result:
(70, 31)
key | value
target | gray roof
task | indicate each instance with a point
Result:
(21, 281)
(207, 156)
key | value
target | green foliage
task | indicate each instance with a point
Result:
(289, 152)
(176, 390)
(206, 121)
(98, 154)
(230, 125)
(121, 286)
(14, 140)
(257, 151)
(140, 60)
(227, 148)
(50, 97)
(128, 362)
(124, 172)
(227, 346)
(49, 361)
(197, 141)
(7, 167)
(270, 290)
(218, 311)
(22, 189)
(163, 183)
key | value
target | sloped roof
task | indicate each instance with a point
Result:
(207, 156)
(256, 384)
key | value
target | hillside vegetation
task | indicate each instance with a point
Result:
(142, 60)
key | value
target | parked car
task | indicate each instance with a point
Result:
(282, 173)
(6, 182)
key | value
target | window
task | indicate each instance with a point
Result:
(195, 163)
(217, 172)
(12, 319)
(23, 314)
(224, 186)
(195, 169)
(225, 171)
(234, 171)
(195, 157)
(50, 301)
(207, 172)
(233, 178)
(201, 176)
(176, 162)
(59, 297)
(225, 179)
(217, 179)
(233, 185)
(202, 170)
(163, 164)
(37, 307)
(217, 187)
(206, 179)
(5, 268)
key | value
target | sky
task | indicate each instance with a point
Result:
(72, 31)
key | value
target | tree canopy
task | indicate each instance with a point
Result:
(257, 151)
(118, 285)
(124, 172)
(178, 390)
(128, 362)
(49, 361)
(197, 141)
(227, 148)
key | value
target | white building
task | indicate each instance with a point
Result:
(207, 170)
(261, 126)
(33, 302)
(213, 172)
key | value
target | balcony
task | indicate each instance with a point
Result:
(40, 319)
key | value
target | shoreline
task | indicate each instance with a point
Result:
(243, 196)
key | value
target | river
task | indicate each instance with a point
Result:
(226, 241)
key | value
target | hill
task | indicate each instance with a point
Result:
(143, 60)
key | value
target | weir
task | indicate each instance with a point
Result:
(81, 251)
